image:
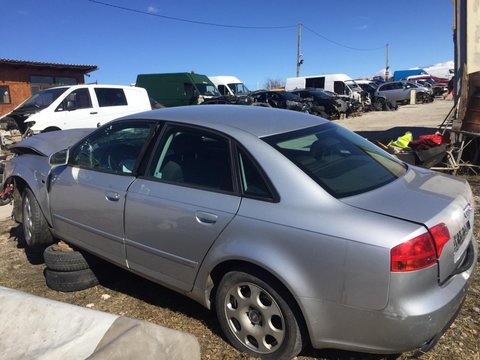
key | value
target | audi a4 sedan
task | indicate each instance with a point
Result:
(294, 230)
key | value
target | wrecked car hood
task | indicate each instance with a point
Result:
(48, 143)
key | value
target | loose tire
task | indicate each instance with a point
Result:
(256, 318)
(68, 281)
(58, 260)
(35, 227)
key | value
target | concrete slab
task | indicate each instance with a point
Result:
(39, 328)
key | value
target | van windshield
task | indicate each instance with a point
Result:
(44, 98)
(207, 89)
(238, 88)
(341, 162)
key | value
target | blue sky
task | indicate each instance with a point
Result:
(125, 43)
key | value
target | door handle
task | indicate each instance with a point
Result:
(206, 218)
(93, 112)
(112, 195)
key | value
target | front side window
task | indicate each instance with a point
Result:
(193, 158)
(114, 148)
(110, 97)
(77, 99)
(4, 95)
(340, 161)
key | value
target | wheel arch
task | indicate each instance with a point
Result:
(20, 184)
(224, 267)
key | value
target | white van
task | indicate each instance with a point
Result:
(78, 106)
(229, 85)
(337, 83)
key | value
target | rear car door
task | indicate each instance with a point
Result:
(178, 209)
(87, 197)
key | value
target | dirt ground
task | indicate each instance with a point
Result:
(135, 297)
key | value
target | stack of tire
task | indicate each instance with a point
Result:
(67, 269)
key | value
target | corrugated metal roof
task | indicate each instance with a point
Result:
(84, 68)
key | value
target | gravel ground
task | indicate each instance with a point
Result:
(138, 298)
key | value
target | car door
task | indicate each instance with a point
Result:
(112, 103)
(77, 110)
(87, 196)
(178, 209)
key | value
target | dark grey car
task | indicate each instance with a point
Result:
(294, 229)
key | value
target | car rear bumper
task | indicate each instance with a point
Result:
(415, 317)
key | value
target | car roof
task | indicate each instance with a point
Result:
(256, 120)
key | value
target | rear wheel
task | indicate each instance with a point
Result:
(35, 227)
(256, 318)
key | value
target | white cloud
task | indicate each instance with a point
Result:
(152, 10)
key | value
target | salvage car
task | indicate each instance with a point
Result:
(280, 100)
(294, 229)
(327, 105)
(399, 92)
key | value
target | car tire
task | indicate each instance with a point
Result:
(69, 281)
(241, 302)
(35, 227)
(58, 260)
(379, 104)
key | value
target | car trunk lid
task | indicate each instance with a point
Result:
(427, 198)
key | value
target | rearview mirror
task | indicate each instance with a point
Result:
(59, 158)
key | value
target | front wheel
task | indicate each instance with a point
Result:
(256, 318)
(35, 227)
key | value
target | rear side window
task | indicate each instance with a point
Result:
(193, 158)
(253, 183)
(110, 97)
(342, 162)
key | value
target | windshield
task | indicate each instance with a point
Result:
(44, 98)
(207, 89)
(340, 161)
(238, 88)
(353, 85)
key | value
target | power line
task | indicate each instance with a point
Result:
(230, 26)
(191, 21)
(339, 44)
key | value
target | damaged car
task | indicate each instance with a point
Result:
(280, 100)
(293, 229)
(324, 104)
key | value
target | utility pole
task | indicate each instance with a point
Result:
(299, 55)
(387, 66)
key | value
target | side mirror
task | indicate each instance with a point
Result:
(70, 105)
(59, 158)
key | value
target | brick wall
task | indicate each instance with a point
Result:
(17, 78)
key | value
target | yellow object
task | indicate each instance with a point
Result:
(402, 141)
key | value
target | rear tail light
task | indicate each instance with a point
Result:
(421, 251)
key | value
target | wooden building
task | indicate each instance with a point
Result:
(21, 79)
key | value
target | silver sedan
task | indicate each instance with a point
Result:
(293, 229)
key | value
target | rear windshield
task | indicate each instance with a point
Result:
(342, 162)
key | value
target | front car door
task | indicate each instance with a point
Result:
(77, 110)
(182, 204)
(87, 197)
